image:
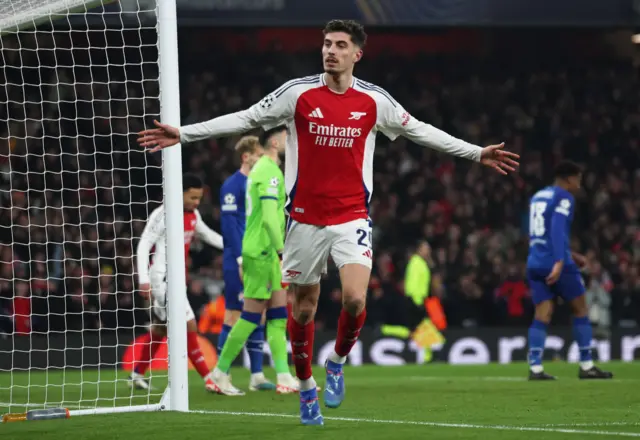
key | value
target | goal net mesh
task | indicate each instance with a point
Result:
(75, 190)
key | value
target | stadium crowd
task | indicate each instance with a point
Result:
(73, 179)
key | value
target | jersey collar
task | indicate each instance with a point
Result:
(324, 83)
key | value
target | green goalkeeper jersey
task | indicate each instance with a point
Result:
(265, 199)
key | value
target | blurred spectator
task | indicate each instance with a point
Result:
(598, 298)
(21, 309)
(212, 316)
(626, 299)
(513, 295)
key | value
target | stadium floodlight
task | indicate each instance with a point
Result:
(81, 79)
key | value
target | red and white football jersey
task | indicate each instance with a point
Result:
(330, 147)
(154, 236)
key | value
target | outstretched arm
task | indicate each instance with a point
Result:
(395, 121)
(274, 109)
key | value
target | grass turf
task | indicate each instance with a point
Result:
(408, 402)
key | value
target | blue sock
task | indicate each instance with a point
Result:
(254, 348)
(537, 336)
(582, 333)
(222, 338)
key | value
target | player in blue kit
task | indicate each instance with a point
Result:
(233, 219)
(552, 270)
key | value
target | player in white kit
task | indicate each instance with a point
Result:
(152, 280)
(332, 119)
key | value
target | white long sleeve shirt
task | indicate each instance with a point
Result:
(154, 234)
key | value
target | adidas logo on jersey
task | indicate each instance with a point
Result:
(316, 113)
(368, 254)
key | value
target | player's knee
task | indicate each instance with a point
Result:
(231, 317)
(544, 311)
(579, 307)
(305, 303)
(354, 303)
(304, 312)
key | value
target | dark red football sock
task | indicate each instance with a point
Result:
(195, 355)
(302, 347)
(150, 345)
(348, 331)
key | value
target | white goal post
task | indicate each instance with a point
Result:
(82, 78)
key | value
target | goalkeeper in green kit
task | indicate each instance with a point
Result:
(262, 247)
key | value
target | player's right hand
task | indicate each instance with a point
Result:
(554, 276)
(145, 290)
(156, 139)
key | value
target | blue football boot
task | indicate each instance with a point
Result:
(334, 386)
(309, 408)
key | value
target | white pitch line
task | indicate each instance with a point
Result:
(431, 424)
(577, 425)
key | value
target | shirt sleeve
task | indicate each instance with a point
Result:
(394, 121)
(268, 188)
(274, 109)
(153, 230)
(559, 221)
(230, 221)
(209, 236)
(271, 222)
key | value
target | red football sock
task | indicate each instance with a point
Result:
(302, 347)
(150, 345)
(195, 355)
(348, 331)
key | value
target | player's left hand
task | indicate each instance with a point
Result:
(556, 271)
(500, 160)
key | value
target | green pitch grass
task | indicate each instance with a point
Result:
(411, 402)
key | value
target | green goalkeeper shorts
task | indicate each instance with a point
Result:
(261, 277)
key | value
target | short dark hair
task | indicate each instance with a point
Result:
(566, 168)
(191, 181)
(351, 27)
(268, 134)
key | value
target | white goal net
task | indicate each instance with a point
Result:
(75, 190)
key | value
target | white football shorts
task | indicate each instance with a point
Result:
(159, 302)
(307, 249)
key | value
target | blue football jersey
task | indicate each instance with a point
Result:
(550, 217)
(233, 218)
